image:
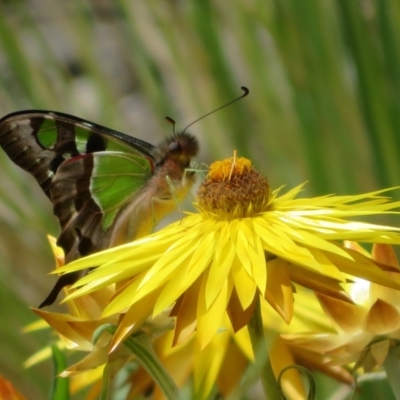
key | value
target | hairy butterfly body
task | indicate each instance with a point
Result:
(106, 187)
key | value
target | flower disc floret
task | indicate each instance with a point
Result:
(233, 189)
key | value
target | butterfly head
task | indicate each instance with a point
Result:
(179, 148)
(182, 146)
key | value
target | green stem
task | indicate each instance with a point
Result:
(392, 368)
(106, 382)
(261, 358)
(141, 346)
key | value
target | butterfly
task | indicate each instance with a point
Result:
(106, 187)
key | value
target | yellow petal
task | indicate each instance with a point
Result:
(279, 290)
(123, 299)
(186, 274)
(281, 358)
(379, 351)
(242, 339)
(275, 241)
(232, 369)
(134, 318)
(315, 361)
(85, 329)
(164, 267)
(57, 251)
(210, 320)
(87, 378)
(94, 359)
(186, 314)
(208, 364)
(244, 284)
(346, 316)
(138, 249)
(322, 342)
(41, 355)
(35, 326)
(90, 306)
(326, 267)
(382, 318)
(315, 281)
(220, 266)
(239, 318)
(363, 267)
(385, 254)
(241, 246)
(60, 323)
(259, 270)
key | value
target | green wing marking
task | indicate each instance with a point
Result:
(116, 178)
(40, 141)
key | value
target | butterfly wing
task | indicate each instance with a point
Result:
(90, 192)
(40, 141)
(89, 172)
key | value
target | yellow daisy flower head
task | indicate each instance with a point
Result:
(367, 331)
(244, 243)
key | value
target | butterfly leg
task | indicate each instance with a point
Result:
(173, 192)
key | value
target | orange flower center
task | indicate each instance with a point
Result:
(233, 189)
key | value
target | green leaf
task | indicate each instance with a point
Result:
(99, 331)
(60, 389)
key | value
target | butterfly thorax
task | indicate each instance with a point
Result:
(161, 195)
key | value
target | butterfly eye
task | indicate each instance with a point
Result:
(174, 147)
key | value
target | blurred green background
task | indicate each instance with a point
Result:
(324, 106)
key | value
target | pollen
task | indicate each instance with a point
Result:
(233, 189)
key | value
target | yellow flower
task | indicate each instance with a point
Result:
(221, 362)
(366, 331)
(245, 242)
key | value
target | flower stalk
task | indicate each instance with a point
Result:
(262, 360)
(140, 345)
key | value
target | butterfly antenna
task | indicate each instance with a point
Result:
(172, 122)
(246, 92)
